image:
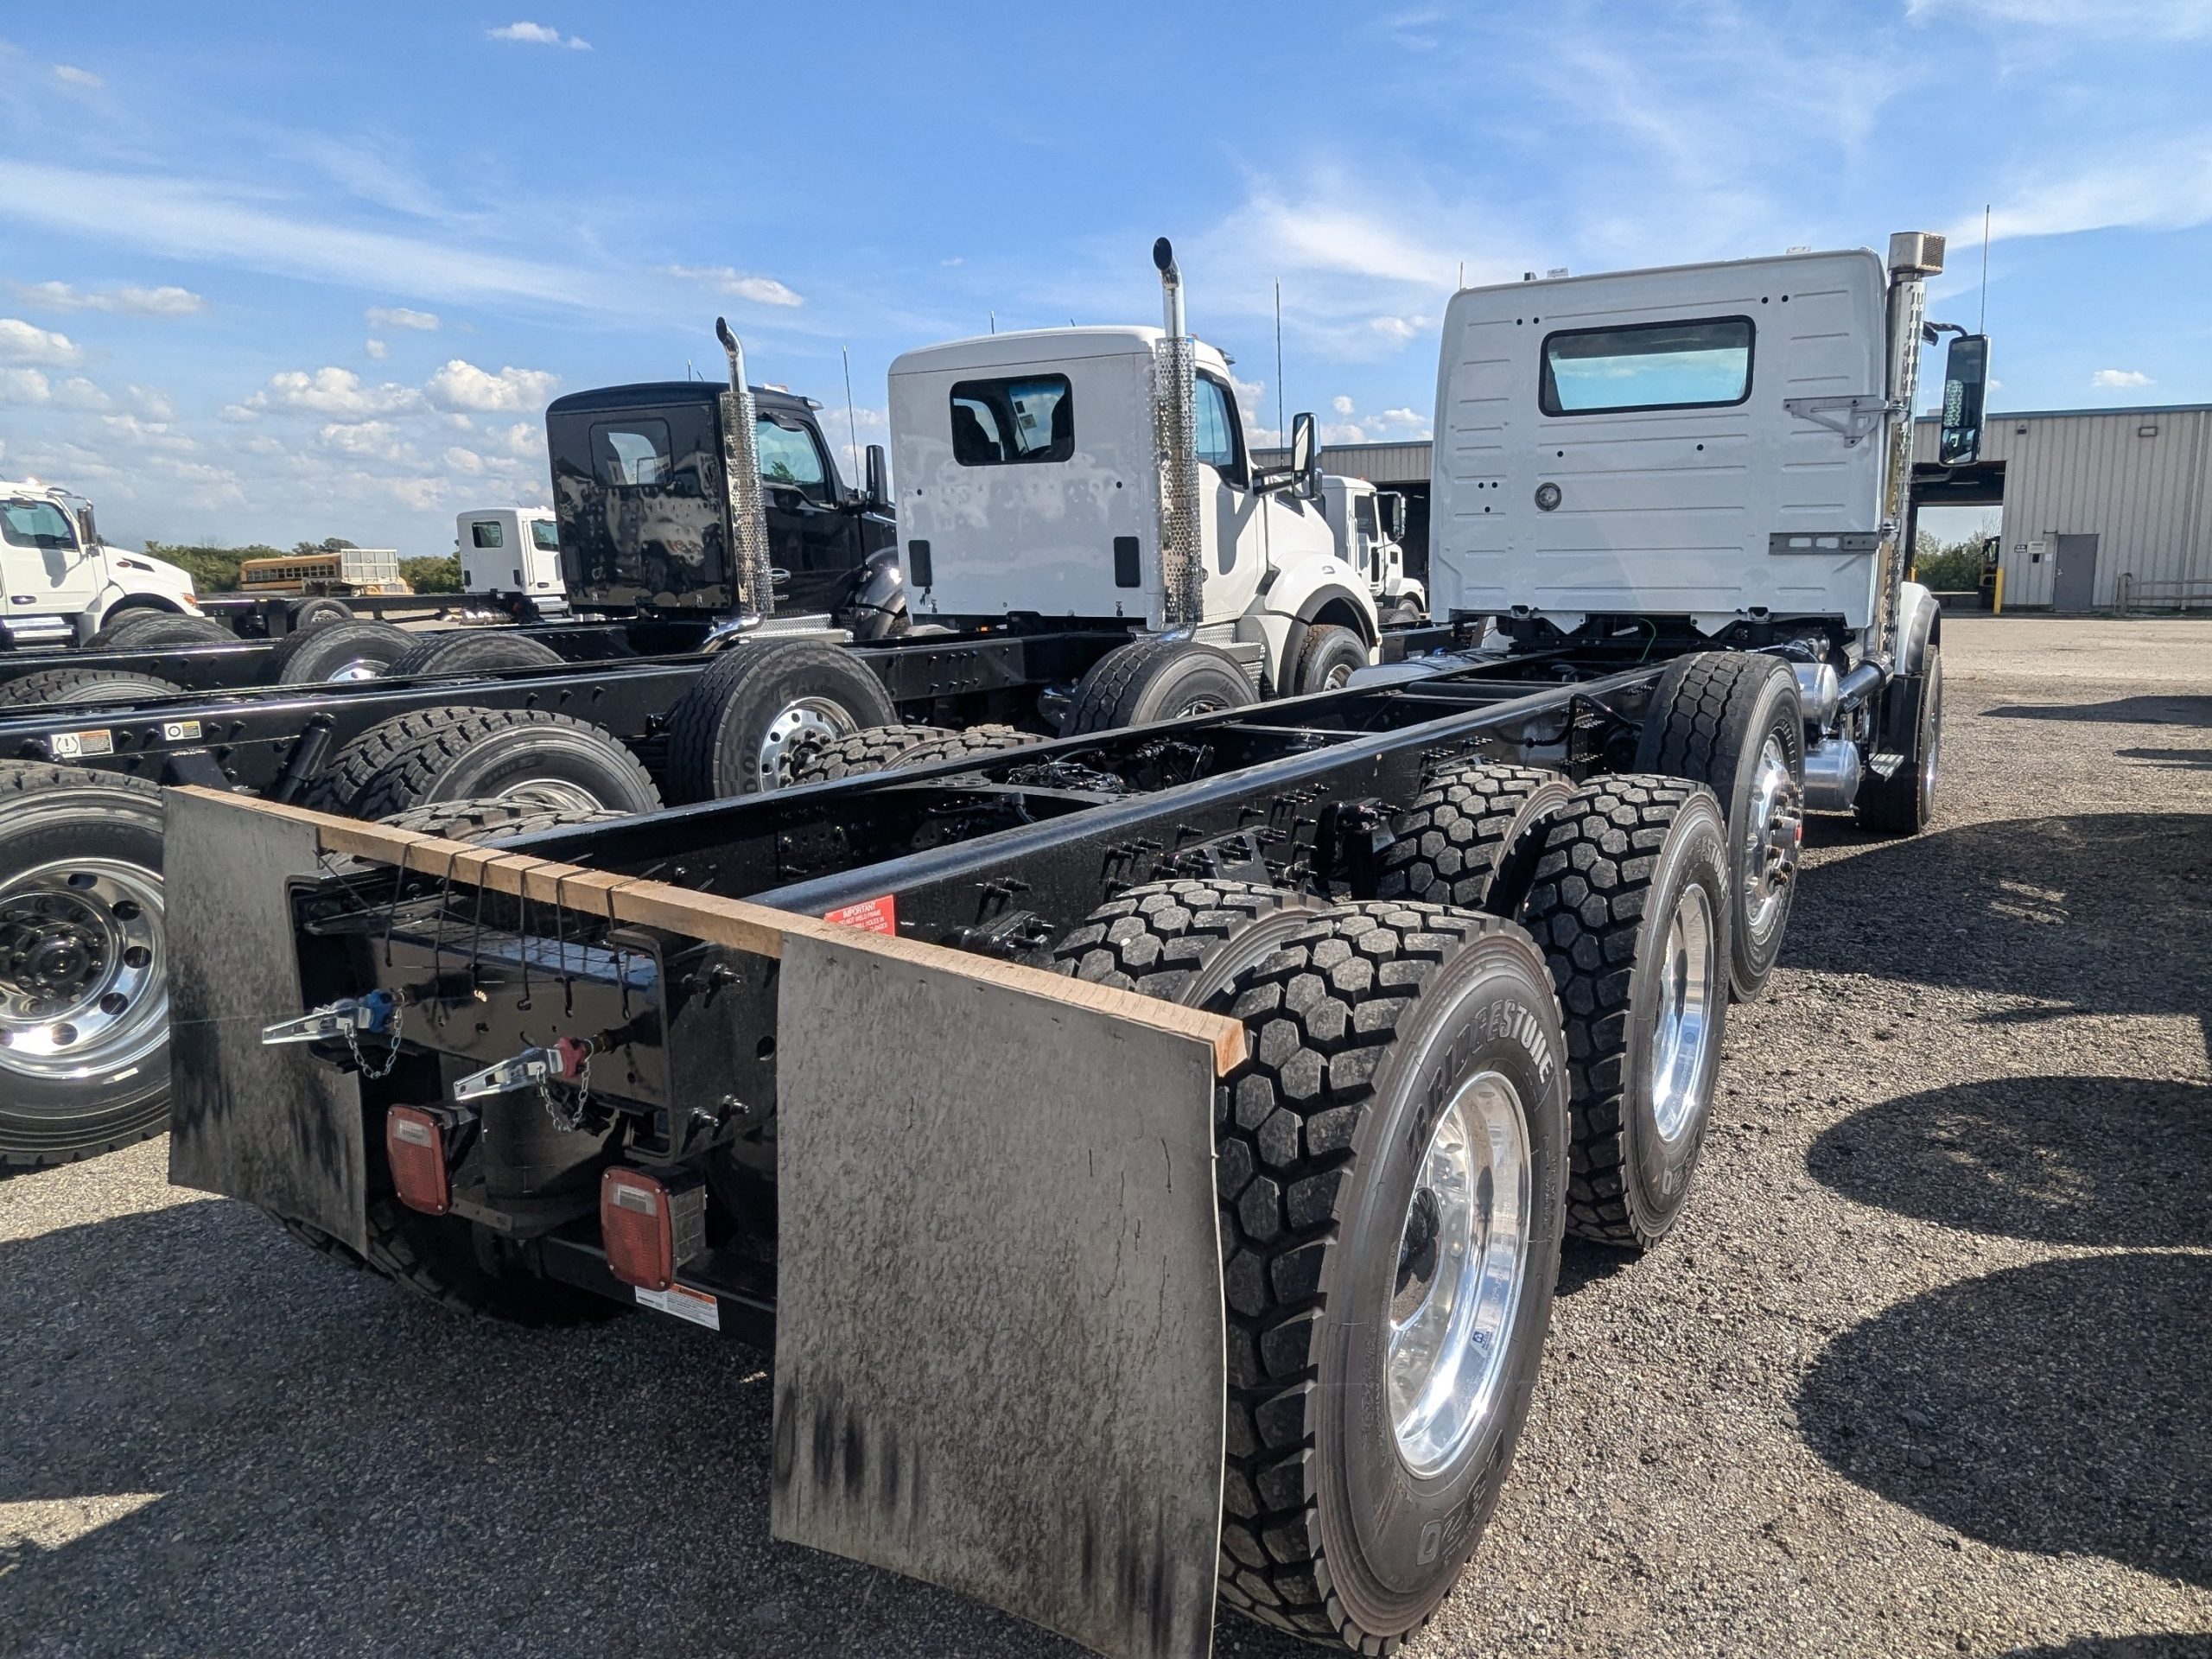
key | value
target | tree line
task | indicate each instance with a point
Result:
(214, 569)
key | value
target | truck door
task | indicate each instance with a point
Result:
(810, 534)
(44, 570)
(1235, 557)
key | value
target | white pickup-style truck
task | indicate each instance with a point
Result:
(60, 582)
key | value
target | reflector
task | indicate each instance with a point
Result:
(650, 1227)
(415, 1143)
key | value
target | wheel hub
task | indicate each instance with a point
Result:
(1461, 1260)
(83, 984)
(799, 729)
(1774, 837)
(1689, 994)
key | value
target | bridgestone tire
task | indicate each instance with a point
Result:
(482, 822)
(48, 687)
(1366, 1026)
(1150, 680)
(1158, 938)
(990, 738)
(319, 613)
(1712, 716)
(1616, 867)
(553, 761)
(747, 723)
(871, 750)
(1327, 658)
(469, 651)
(354, 649)
(152, 630)
(1470, 839)
(1903, 803)
(346, 773)
(50, 816)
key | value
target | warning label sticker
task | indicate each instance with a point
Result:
(876, 915)
(693, 1305)
(181, 731)
(67, 745)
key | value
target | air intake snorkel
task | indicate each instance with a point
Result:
(750, 573)
(1182, 560)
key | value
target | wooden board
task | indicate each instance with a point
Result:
(756, 929)
(999, 1358)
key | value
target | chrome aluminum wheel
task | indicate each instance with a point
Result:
(1931, 763)
(1690, 989)
(556, 793)
(1774, 835)
(358, 668)
(1461, 1260)
(84, 984)
(799, 729)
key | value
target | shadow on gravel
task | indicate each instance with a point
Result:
(2086, 913)
(343, 1469)
(2175, 1644)
(2122, 711)
(2073, 1160)
(2057, 1407)
(1583, 1264)
(2171, 760)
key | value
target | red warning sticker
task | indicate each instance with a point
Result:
(876, 915)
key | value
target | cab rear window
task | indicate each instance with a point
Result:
(1701, 364)
(1003, 423)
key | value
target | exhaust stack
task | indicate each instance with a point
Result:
(1182, 558)
(750, 573)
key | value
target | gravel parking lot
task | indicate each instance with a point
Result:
(1927, 1370)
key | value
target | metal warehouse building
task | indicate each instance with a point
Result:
(2103, 508)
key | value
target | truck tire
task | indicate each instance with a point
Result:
(1629, 902)
(1732, 721)
(1327, 658)
(122, 621)
(1471, 831)
(50, 686)
(870, 750)
(1407, 1080)
(348, 773)
(318, 613)
(1903, 803)
(488, 821)
(145, 629)
(510, 754)
(1155, 679)
(84, 965)
(1405, 612)
(469, 651)
(745, 725)
(337, 652)
(990, 738)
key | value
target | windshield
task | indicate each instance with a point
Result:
(35, 523)
(546, 535)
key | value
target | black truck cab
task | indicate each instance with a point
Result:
(644, 510)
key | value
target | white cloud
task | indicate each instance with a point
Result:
(83, 80)
(22, 386)
(1341, 404)
(1347, 432)
(77, 393)
(377, 349)
(365, 440)
(22, 342)
(462, 386)
(2120, 379)
(330, 392)
(2147, 186)
(398, 317)
(133, 301)
(2161, 19)
(725, 279)
(458, 460)
(537, 34)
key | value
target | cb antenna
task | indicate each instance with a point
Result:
(1982, 328)
(1280, 430)
(852, 422)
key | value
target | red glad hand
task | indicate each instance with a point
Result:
(573, 1052)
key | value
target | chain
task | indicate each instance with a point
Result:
(566, 1118)
(391, 1054)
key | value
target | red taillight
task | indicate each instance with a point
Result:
(650, 1226)
(415, 1142)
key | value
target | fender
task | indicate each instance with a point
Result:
(1308, 596)
(1921, 625)
(114, 597)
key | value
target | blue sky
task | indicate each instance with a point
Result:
(271, 271)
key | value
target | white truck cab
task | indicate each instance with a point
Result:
(1368, 524)
(1054, 471)
(513, 550)
(59, 581)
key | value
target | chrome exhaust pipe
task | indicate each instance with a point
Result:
(1182, 556)
(750, 572)
(1858, 685)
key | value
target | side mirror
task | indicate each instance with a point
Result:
(1393, 514)
(1966, 382)
(88, 532)
(876, 498)
(1304, 457)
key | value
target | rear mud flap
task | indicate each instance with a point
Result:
(273, 1125)
(999, 1360)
